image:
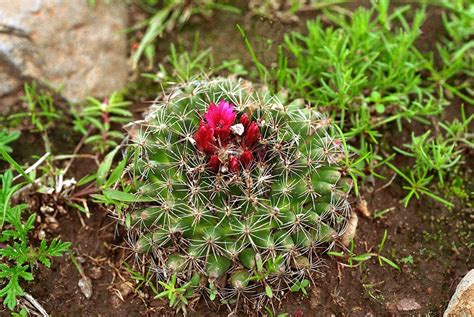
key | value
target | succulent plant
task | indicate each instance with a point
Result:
(234, 190)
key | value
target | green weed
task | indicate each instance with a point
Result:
(171, 15)
(7, 137)
(355, 260)
(364, 69)
(18, 257)
(95, 121)
(182, 65)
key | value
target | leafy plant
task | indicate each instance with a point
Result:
(456, 51)
(435, 158)
(374, 72)
(300, 286)
(432, 154)
(18, 257)
(41, 111)
(95, 121)
(418, 184)
(7, 137)
(407, 260)
(457, 131)
(175, 295)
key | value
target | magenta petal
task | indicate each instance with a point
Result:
(221, 116)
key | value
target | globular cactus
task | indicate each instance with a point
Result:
(235, 190)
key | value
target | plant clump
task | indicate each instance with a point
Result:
(232, 193)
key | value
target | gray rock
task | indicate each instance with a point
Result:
(64, 43)
(462, 302)
(408, 304)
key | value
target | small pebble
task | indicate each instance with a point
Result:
(115, 301)
(41, 234)
(46, 209)
(50, 219)
(408, 304)
(53, 226)
(85, 284)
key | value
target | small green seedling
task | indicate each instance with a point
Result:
(407, 260)
(175, 295)
(417, 186)
(355, 260)
(301, 286)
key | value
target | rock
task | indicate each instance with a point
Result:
(462, 302)
(85, 285)
(63, 43)
(408, 304)
(350, 232)
(41, 234)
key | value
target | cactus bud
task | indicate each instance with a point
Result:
(246, 158)
(214, 163)
(252, 135)
(244, 120)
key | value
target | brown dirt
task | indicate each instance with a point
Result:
(436, 238)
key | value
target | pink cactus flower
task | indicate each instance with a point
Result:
(221, 118)
(217, 134)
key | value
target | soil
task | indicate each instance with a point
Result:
(436, 238)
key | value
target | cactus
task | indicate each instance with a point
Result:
(235, 186)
